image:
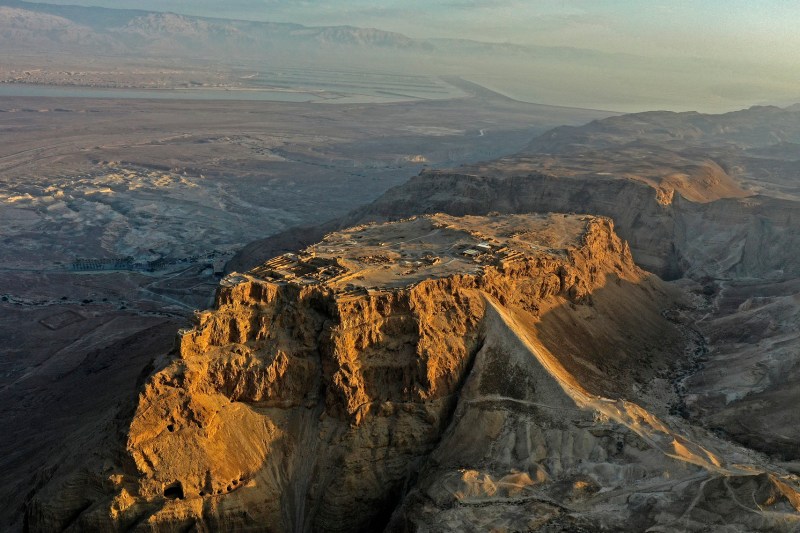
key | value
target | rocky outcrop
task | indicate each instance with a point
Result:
(708, 201)
(515, 389)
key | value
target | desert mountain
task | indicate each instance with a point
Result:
(699, 201)
(468, 350)
(52, 29)
(711, 199)
(440, 373)
(105, 40)
(39, 26)
(136, 31)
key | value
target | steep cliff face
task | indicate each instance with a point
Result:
(305, 407)
(285, 394)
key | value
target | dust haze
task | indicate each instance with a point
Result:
(161, 49)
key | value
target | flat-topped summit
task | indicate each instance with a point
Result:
(407, 373)
(400, 254)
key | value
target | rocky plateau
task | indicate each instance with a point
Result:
(437, 373)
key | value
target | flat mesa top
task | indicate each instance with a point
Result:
(399, 254)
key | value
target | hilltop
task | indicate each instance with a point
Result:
(434, 372)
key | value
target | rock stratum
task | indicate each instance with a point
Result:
(439, 373)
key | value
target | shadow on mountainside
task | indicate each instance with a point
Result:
(58, 422)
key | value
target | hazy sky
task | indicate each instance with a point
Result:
(712, 55)
(749, 29)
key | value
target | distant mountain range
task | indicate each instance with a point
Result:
(62, 28)
(552, 75)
